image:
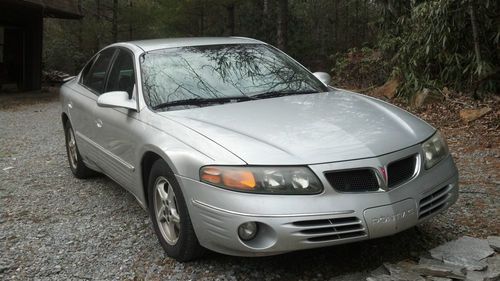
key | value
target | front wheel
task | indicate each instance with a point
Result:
(168, 211)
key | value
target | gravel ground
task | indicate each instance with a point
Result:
(55, 227)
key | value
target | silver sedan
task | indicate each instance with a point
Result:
(233, 146)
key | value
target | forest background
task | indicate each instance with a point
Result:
(411, 46)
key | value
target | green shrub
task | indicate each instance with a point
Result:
(433, 46)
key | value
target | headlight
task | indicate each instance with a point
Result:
(435, 150)
(268, 180)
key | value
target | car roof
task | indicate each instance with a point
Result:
(156, 44)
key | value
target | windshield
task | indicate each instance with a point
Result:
(222, 72)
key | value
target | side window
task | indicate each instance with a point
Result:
(122, 76)
(86, 70)
(95, 77)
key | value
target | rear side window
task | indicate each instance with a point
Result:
(95, 77)
(122, 75)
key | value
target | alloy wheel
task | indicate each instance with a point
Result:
(165, 206)
(72, 150)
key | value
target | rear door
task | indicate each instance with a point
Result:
(83, 105)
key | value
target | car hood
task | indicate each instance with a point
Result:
(306, 129)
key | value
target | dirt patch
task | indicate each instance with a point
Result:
(17, 101)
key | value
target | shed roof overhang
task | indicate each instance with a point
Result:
(64, 9)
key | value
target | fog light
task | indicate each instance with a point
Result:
(247, 231)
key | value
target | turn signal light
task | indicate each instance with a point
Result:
(239, 179)
(235, 179)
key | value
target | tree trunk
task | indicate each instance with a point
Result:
(202, 18)
(264, 23)
(130, 29)
(115, 21)
(282, 24)
(98, 18)
(230, 21)
(475, 35)
(355, 31)
(98, 9)
(347, 28)
(336, 23)
(80, 26)
(321, 24)
(364, 25)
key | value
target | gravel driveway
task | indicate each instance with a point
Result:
(55, 227)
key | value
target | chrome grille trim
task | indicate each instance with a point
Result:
(329, 229)
(328, 222)
(358, 234)
(434, 202)
(374, 179)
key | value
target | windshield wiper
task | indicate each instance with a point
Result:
(274, 94)
(201, 101)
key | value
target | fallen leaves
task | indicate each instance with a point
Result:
(469, 115)
(388, 90)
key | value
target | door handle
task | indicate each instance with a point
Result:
(70, 105)
(98, 123)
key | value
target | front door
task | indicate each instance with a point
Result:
(115, 133)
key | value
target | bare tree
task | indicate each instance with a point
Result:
(475, 35)
(130, 28)
(98, 16)
(80, 26)
(230, 18)
(281, 36)
(114, 30)
(202, 18)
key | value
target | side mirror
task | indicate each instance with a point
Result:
(323, 77)
(116, 99)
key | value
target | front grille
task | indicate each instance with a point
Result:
(353, 180)
(330, 229)
(434, 202)
(401, 171)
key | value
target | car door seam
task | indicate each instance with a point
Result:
(127, 165)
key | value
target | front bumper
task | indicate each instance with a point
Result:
(288, 222)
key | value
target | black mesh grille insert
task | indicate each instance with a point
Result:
(400, 171)
(353, 180)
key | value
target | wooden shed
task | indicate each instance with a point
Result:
(21, 35)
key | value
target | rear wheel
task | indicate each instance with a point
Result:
(75, 159)
(168, 211)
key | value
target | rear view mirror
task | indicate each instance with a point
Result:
(116, 99)
(323, 77)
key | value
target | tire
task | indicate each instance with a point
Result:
(169, 214)
(78, 168)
